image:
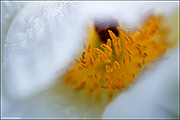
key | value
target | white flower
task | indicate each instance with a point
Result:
(41, 38)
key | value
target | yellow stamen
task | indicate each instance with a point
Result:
(116, 65)
(106, 68)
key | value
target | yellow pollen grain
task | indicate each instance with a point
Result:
(108, 69)
(109, 42)
(107, 61)
(129, 51)
(116, 65)
(106, 47)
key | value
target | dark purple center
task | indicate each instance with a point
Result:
(102, 25)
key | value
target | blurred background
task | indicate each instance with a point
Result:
(39, 40)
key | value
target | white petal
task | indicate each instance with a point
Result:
(40, 42)
(154, 95)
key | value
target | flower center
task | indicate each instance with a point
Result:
(110, 64)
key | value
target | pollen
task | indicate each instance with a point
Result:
(107, 67)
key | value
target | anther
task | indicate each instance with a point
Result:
(116, 65)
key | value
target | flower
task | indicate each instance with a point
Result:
(41, 42)
(113, 65)
(107, 67)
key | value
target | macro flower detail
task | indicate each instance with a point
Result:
(90, 60)
(106, 67)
